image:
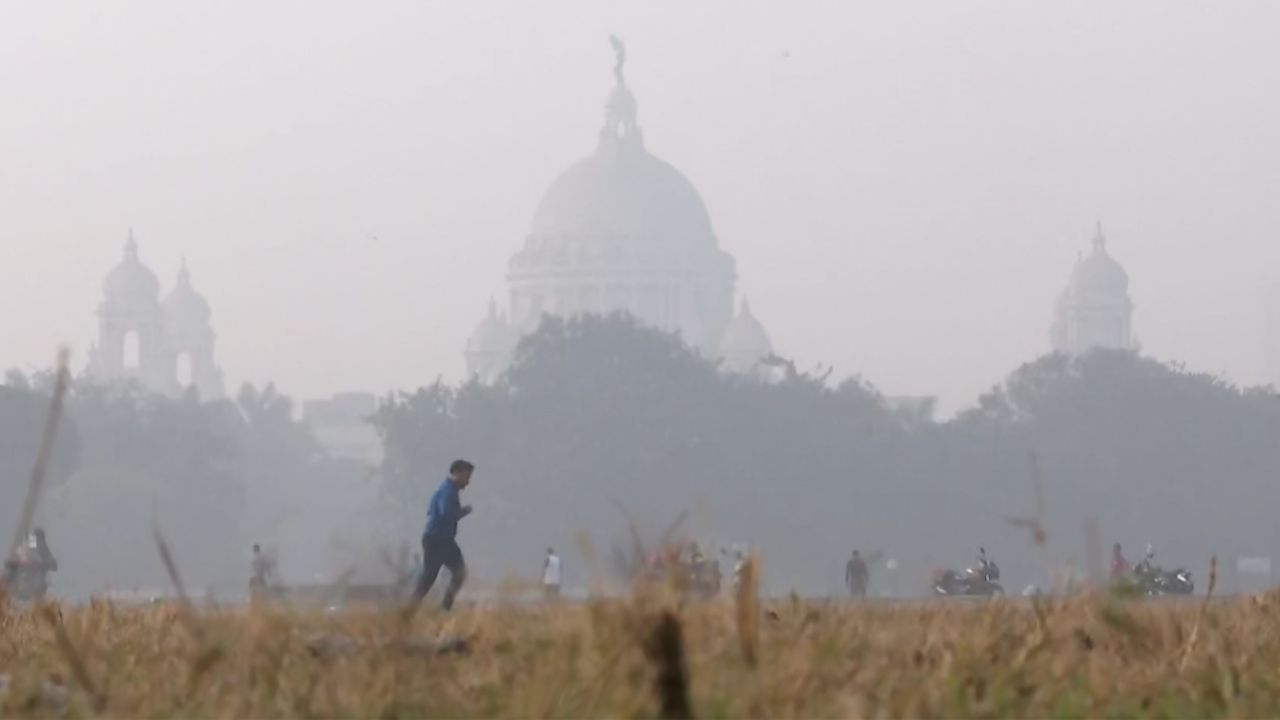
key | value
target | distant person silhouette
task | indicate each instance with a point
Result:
(551, 575)
(856, 576)
(1120, 567)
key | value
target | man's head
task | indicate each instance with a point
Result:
(39, 533)
(1116, 548)
(256, 549)
(460, 473)
(551, 551)
(855, 555)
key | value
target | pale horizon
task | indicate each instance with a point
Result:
(905, 188)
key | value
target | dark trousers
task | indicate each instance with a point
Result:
(438, 553)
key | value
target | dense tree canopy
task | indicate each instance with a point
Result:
(601, 414)
(22, 419)
(212, 476)
(601, 421)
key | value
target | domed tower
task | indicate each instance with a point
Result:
(622, 230)
(1094, 310)
(491, 347)
(190, 338)
(745, 343)
(131, 342)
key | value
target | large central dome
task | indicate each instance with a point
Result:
(621, 194)
(619, 231)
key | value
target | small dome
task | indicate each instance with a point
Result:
(185, 306)
(131, 282)
(745, 341)
(1099, 275)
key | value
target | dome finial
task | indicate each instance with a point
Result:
(131, 247)
(620, 58)
(184, 275)
(1099, 240)
(620, 109)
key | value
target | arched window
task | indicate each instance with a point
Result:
(132, 357)
(183, 370)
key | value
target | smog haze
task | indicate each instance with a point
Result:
(905, 187)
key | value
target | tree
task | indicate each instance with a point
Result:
(22, 418)
(597, 412)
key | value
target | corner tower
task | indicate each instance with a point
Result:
(1094, 310)
(164, 347)
(190, 339)
(131, 342)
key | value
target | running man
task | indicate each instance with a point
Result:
(439, 540)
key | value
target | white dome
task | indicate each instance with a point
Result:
(619, 231)
(1099, 276)
(623, 195)
(131, 282)
(184, 306)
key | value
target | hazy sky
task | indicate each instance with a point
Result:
(905, 187)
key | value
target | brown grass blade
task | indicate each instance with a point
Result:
(748, 611)
(1204, 605)
(69, 653)
(186, 612)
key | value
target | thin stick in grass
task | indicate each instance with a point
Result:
(185, 610)
(41, 467)
(747, 608)
(1204, 605)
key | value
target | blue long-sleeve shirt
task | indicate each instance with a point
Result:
(444, 511)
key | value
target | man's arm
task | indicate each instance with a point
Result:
(454, 507)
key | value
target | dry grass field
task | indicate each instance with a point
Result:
(650, 657)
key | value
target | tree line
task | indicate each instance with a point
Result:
(601, 422)
(603, 428)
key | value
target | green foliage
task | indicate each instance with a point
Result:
(23, 409)
(127, 461)
(600, 412)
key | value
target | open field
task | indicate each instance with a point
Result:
(1089, 656)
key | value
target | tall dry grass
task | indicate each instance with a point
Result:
(1086, 657)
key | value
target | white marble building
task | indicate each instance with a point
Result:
(622, 230)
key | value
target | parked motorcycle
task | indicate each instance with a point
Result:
(979, 580)
(1155, 581)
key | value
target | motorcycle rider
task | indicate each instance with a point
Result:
(1120, 567)
(1146, 566)
(27, 573)
(987, 570)
(1155, 580)
(977, 580)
